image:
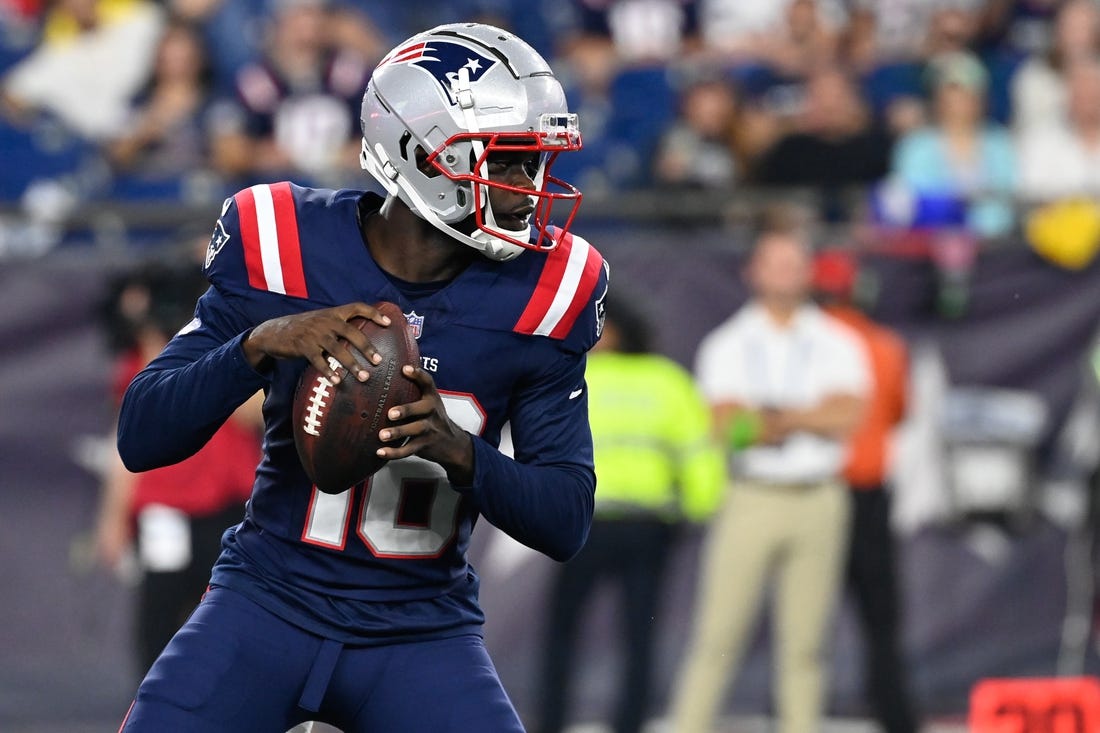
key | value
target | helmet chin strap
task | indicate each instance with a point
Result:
(494, 248)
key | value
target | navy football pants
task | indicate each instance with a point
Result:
(236, 668)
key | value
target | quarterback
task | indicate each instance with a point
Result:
(360, 608)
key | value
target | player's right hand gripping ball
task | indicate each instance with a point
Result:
(336, 425)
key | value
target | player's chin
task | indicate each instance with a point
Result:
(513, 222)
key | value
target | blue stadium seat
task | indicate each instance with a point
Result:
(43, 151)
(890, 81)
(643, 104)
(1002, 66)
(754, 80)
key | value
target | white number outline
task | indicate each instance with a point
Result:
(405, 534)
(328, 517)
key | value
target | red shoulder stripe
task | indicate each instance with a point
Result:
(269, 232)
(589, 278)
(250, 238)
(290, 248)
(553, 271)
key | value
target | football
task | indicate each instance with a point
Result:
(336, 425)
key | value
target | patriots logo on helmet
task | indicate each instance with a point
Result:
(444, 60)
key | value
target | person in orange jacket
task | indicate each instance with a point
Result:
(872, 573)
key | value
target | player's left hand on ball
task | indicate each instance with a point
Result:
(426, 431)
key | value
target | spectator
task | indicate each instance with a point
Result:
(176, 515)
(696, 152)
(883, 47)
(803, 42)
(952, 29)
(353, 31)
(772, 47)
(784, 33)
(231, 31)
(93, 57)
(602, 37)
(1018, 27)
(961, 156)
(637, 31)
(887, 32)
(657, 468)
(1039, 93)
(1058, 161)
(167, 134)
(872, 570)
(786, 386)
(298, 108)
(759, 127)
(588, 66)
(615, 57)
(835, 142)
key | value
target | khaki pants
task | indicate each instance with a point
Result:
(796, 536)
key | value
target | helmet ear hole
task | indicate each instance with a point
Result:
(460, 196)
(423, 165)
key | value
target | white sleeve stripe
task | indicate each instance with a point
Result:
(570, 282)
(269, 238)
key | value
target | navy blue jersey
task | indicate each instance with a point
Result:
(505, 342)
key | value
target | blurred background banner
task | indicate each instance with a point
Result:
(986, 577)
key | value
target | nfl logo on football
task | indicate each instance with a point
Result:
(416, 324)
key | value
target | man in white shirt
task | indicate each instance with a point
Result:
(1058, 160)
(786, 383)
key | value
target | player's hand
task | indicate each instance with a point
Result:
(426, 431)
(316, 335)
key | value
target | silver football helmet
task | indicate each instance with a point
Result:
(456, 94)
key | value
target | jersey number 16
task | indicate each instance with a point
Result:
(406, 510)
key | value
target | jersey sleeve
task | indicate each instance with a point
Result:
(254, 265)
(545, 497)
(176, 403)
(255, 247)
(567, 303)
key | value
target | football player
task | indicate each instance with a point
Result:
(360, 609)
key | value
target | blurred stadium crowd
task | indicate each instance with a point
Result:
(951, 112)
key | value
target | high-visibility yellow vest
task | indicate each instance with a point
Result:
(651, 431)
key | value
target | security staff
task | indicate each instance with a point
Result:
(656, 467)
